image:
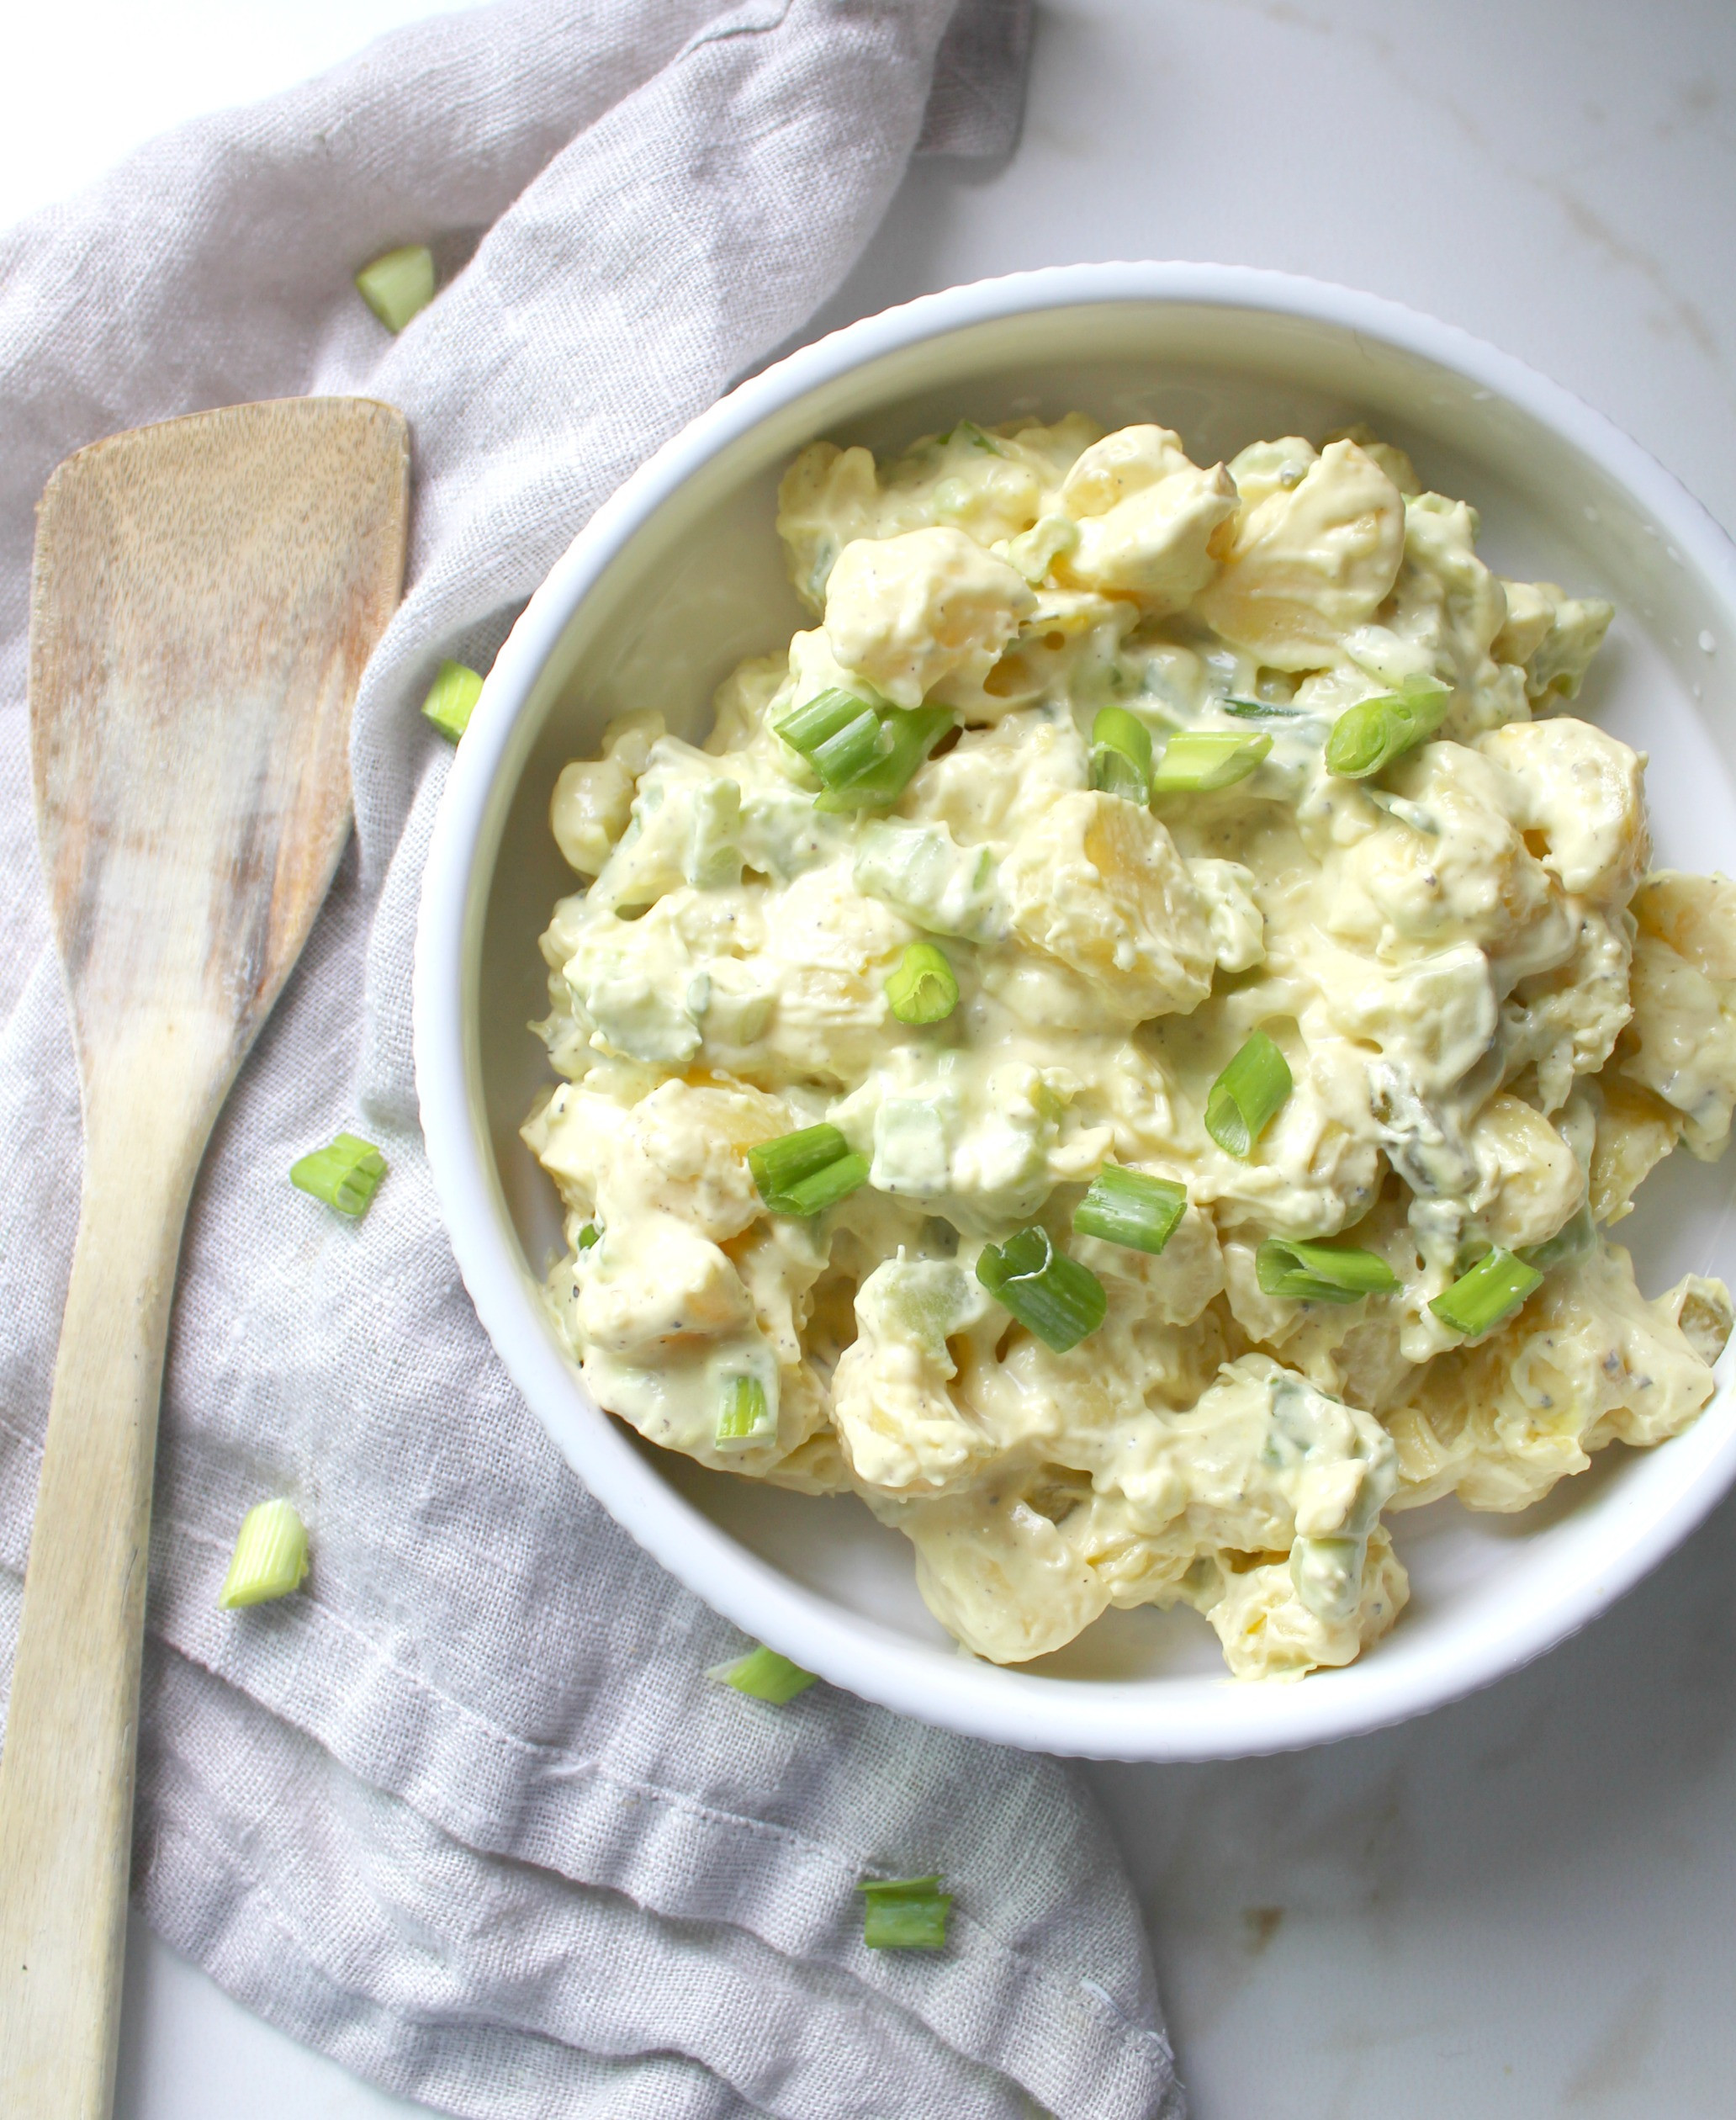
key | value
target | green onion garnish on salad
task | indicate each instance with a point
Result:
(1374, 732)
(925, 989)
(904, 1913)
(345, 1175)
(589, 1235)
(1309, 1273)
(1121, 755)
(824, 1189)
(1491, 1290)
(1127, 1207)
(744, 1415)
(1050, 1293)
(857, 746)
(863, 751)
(1198, 761)
(399, 285)
(763, 1675)
(1247, 1096)
(820, 720)
(270, 1558)
(908, 735)
(452, 699)
(806, 1172)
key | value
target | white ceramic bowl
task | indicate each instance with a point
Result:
(680, 575)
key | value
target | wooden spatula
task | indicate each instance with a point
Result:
(205, 594)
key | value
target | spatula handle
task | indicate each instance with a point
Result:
(67, 1772)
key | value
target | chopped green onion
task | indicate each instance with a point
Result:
(399, 285)
(839, 733)
(744, 1415)
(778, 1164)
(1247, 1096)
(1050, 1293)
(763, 1675)
(1374, 732)
(863, 751)
(907, 737)
(270, 1557)
(806, 1172)
(1127, 1207)
(1493, 1289)
(1306, 1272)
(822, 719)
(589, 1235)
(452, 699)
(852, 750)
(924, 989)
(1573, 1242)
(346, 1176)
(1258, 709)
(904, 1913)
(1121, 755)
(1196, 761)
(813, 1196)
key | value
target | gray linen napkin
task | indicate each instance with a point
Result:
(465, 1813)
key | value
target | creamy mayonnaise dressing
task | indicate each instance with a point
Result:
(1496, 1020)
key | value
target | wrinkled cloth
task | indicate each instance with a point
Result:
(465, 1813)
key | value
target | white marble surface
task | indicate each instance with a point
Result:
(1519, 1906)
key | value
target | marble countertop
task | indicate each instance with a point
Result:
(1520, 1906)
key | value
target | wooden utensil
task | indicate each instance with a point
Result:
(204, 597)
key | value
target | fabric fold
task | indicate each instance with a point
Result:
(465, 1812)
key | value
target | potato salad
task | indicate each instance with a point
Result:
(1126, 1044)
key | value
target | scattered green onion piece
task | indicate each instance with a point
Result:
(1050, 1293)
(1493, 1289)
(1374, 732)
(1258, 709)
(822, 719)
(1127, 1207)
(804, 1173)
(589, 1235)
(763, 1675)
(1574, 1241)
(826, 1188)
(270, 1557)
(1306, 1272)
(399, 285)
(857, 745)
(744, 1415)
(907, 736)
(452, 699)
(904, 1913)
(1121, 755)
(1247, 1096)
(778, 1164)
(1196, 761)
(924, 989)
(345, 1175)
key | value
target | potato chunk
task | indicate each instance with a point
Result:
(1097, 884)
(905, 612)
(1309, 562)
(1147, 519)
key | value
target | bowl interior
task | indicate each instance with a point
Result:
(700, 585)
